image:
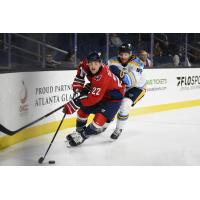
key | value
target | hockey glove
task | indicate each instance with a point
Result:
(78, 84)
(73, 105)
(70, 107)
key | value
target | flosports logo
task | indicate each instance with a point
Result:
(188, 82)
(23, 98)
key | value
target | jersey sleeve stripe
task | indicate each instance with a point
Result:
(130, 81)
(132, 76)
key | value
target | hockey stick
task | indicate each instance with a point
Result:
(41, 159)
(9, 132)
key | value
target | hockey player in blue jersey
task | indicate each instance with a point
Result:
(130, 69)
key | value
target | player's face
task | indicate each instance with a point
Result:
(94, 66)
(124, 57)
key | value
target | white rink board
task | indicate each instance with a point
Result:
(48, 90)
(17, 110)
(164, 86)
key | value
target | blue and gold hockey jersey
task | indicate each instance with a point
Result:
(134, 71)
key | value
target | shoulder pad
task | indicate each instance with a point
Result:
(137, 62)
(113, 60)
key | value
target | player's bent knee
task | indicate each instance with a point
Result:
(99, 119)
(96, 126)
(82, 115)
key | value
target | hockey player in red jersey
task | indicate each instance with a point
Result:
(102, 98)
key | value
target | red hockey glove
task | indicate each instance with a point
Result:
(71, 106)
(78, 84)
(74, 104)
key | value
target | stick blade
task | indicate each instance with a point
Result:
(41, 159)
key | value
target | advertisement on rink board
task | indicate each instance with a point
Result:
(30, 95)
(171, 85)
(188, 82)
(26, 96)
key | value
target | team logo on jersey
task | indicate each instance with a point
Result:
(98, 77)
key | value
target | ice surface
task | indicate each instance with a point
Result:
(165, 138)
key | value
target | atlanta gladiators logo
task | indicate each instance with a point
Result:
(23, 98)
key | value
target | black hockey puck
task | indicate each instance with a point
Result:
(52, 162)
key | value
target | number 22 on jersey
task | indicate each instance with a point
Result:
(96, 91)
